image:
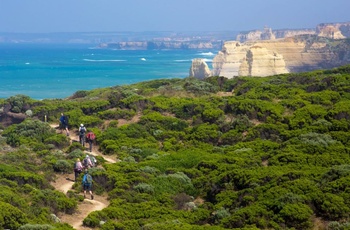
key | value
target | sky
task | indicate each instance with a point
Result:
(48, 16)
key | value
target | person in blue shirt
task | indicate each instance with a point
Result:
(64, 123)
(87, 184)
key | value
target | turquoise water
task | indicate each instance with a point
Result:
(57, 71)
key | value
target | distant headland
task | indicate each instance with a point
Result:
(268, 52)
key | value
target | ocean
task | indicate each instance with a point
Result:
(47, 71)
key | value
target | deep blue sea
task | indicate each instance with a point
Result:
(57, 71)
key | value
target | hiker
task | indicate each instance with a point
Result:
(93, 160)
(90, 137)
(87, 162)
(64, 123)
(82, 131)
(78, 168)
(87, 184)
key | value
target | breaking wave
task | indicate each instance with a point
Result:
(207, 54)
(183, 60)
(207, 60)
(103, 60)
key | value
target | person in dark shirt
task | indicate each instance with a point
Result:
(64, 123)
(82, 131)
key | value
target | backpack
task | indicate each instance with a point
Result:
(66, 120)
(93, 160)
(82, 130)
(85, 162)
(91, 136)
(88, 179)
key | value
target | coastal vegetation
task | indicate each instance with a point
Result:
(241, 153)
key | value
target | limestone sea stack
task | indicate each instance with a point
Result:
(199, 69)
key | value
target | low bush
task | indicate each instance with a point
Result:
(59, 141)
(63, 166)
(11, 217)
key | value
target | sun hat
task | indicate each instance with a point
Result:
(81, 125)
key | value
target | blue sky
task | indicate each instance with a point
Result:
(38, 16)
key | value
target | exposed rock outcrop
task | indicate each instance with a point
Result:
(263, 53)
(199, 69)
(267, 57)
(329, 30)
(334, 30)
(268, 34)
(262, 62)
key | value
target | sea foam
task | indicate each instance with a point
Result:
(103, 60)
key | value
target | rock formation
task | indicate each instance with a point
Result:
(268, 57)
(334, 30)
(199, 69)
(268, 34)
(264, 53)
(260, 61)
(329, 30)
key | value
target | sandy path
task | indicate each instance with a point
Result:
(64, 183)
(84, 208)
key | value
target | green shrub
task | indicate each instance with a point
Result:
(25, 177)
(59, 141)
(36, 227)
(144, 188)
(334, 225)
(76, 153)
(221, 214)
(80, 94)
(113, 124)
(199, 87)
(331, 206)
(11, 217)
(19, 103)
(296, 215)
(53, 200)
(74, 146)
(62, 166)
(28, 132)
(149, 169)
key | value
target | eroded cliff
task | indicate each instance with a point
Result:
(268, 57)
(268, 52)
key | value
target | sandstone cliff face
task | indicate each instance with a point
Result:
(269, 34)
(199, 69)
(262, 62)
(329, 30)
(268, 57)
(334, 30)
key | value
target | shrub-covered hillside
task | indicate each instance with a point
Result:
(244, 153)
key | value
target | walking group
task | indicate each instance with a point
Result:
(89, 137)
(84, 134)
(79, 167)
(89, 160)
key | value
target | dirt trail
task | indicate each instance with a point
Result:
(65, 182)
